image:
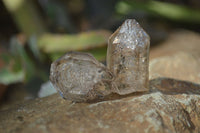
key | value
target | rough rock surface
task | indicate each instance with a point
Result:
(171, 106)
(178, 57)
(178, 41)
(182, 66)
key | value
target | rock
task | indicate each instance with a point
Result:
(178, 41)
(182, 66)
(170, 106)
(178, 57)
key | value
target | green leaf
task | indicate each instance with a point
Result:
(54, 43)
(166, 10)
(7, 76)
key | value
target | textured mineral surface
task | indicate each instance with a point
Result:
(171, 106)
(80, 77)
(128, 57)
(181, 65)
(178, 57)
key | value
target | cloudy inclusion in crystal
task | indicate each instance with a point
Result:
(128, 58)
(80, 77)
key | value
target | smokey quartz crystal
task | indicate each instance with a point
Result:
(128, 58)
(80, 77)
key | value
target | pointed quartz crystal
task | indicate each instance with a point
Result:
(80, 77)
(128, 58)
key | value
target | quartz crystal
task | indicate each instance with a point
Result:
(128, 58)
(80, 77)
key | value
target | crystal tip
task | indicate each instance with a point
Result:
(131, 26)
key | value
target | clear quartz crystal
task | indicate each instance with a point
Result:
(80, 77)
(128, 58)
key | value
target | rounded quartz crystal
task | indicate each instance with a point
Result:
(80, 77)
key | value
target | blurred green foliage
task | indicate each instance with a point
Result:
(19, 67)
(170, 11)
(50, 43)
(13, 71)
(93, 42)
(37, 21)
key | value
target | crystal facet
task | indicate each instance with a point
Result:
(128, 58)
(80, 77)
